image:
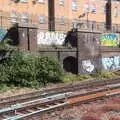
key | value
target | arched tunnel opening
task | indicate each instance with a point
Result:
(70, 64)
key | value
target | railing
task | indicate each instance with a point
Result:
(97, 26)
(65, 25)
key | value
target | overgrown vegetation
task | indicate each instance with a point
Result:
(23, 69)
(100, 75)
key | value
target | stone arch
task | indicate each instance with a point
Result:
(70, 64)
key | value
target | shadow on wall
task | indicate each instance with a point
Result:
(13, 35)
(71, 39)
(70, 65)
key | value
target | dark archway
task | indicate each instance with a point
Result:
(70, 65)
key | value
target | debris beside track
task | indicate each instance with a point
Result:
(55, 102)
(111, 90)
(88, 109)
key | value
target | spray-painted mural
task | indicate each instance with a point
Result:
(88, 66)
(109, 39)
(92, 65)
(111, 63)
(49, 38)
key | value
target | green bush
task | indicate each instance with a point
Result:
(48, 70)
(29, 70)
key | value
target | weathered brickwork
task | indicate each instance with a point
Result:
(83, 54)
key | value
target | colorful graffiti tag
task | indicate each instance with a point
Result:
(109, 39)
(111, 63)
(107, 63)
(3, 32)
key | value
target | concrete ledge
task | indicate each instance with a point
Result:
(110, 49)
(57, 49)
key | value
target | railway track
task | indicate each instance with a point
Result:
(5, 102)
(28, 109)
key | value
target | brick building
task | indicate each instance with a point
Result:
(58, 15)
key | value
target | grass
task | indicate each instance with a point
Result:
(71, 77)
(3, 87)
(68, 77)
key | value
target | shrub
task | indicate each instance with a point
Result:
(19, 70)
(48, 70)
(28, 70)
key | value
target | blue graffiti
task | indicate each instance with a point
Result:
(3, 33)
(109, 37)
(111, 63)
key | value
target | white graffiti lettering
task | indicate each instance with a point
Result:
(49, 38)
(111, 63)
(88, 66)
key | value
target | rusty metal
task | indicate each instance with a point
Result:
(4, 102)
(21, 112)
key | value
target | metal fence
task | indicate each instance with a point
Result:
(97, 26)
(57, 24)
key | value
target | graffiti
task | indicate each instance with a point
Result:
(3, 32)
(109, 40)
(49, 38)
(88, 66)
(111, 63)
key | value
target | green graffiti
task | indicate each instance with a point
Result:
(109, 40)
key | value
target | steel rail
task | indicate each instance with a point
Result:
(41, 94)
(42, 100)
(69, 99)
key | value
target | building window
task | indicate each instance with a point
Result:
(62, 20)
(24, 17)
(41, 19)
(74, 5)
(61, 2)
(13, 17)
(93, 8)
(86, 8)
(41, 1)
(115, 12)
